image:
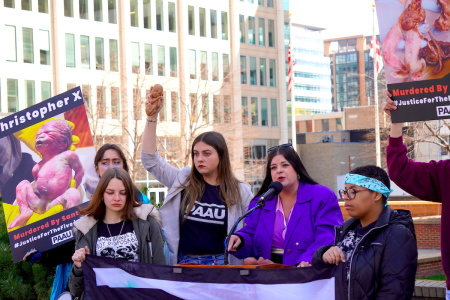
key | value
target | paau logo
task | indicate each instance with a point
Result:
(443, 111)
(62, 237)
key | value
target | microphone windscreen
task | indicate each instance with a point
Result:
(277, 186)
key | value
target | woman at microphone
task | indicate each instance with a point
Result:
(294, 224)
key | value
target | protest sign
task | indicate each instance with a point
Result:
(42, 179)
(416, 49)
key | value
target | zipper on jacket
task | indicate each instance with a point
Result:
(351, 257)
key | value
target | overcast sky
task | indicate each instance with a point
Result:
(341, 17)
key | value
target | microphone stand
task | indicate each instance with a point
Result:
(260, 204)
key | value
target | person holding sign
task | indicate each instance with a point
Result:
(290, 227)
(375, 250)
(115, 225)
(426, 181)
(204, 201)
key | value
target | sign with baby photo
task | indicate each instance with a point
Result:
(46, 151)
(415, 41)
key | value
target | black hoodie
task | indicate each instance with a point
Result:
(383, 264)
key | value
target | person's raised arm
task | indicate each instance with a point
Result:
(388, 105)
(152, 108)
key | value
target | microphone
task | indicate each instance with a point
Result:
(274, 189)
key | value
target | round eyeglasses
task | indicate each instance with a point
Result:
(350, 193)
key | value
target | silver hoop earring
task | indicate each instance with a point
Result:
(298, 176)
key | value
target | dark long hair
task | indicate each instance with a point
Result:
(101, 151)
(292, 157)
(97, 207)
(228, 183)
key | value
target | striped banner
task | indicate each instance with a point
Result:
(109, 279)
(291, 64)
(375, 53)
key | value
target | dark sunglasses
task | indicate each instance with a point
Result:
(275, 147)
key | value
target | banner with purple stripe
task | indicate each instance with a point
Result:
(107, 278)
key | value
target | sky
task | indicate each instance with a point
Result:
(341, 17)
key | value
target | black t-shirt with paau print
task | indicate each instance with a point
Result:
(204, 230)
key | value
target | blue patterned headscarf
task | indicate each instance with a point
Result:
(369, 183)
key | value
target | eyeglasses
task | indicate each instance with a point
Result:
(275, 147)
(350, 193)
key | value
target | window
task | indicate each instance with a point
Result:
(148, 59)
(83, 9)
(217, 109)
(191, 20)
(262, 72)
(271, 30)
(213, 23)
(26, 5)
(135, 66)
(98, 10)
(270, 3)
(254, 110)
(264, 112)
(203, 65)
(202, 21)
(30, 92)
(253, 71)
(224, 25)
(46, 90)
(85, 52)
(273, 112)
(42, 6)
(113, 55)
(172, 17)
(245, 112)
(161, 61)
(261, 31)
(251, 30)
(13, 95)
(115, 103)
(226, 67)
(159, 15)
(70, 50)
(174, 105)
(86, 91)
(162, 113)
(11, 50)
(261, 2)
(68, 8)
(44, 47)
(205, 108)
(147, 12)
(192, 64)
(243, 69)
(112, 12)
(227, 109)
(101, 102)
(134, 13)
(137, 104)
(173, 62)
(9, 3)
(272, 73)
(28, 48)
(242, 28)
(194, 108)
(215, 66)
(99, 53)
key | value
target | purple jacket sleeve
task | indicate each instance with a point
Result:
(326, 215)
(417, 178)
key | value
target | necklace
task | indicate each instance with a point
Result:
(123, 223)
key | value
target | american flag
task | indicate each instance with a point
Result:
(375, 53)
(291, 64)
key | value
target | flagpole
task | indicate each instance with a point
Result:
(375, 100)
(291, 86)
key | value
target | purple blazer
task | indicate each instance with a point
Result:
(311, 225)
